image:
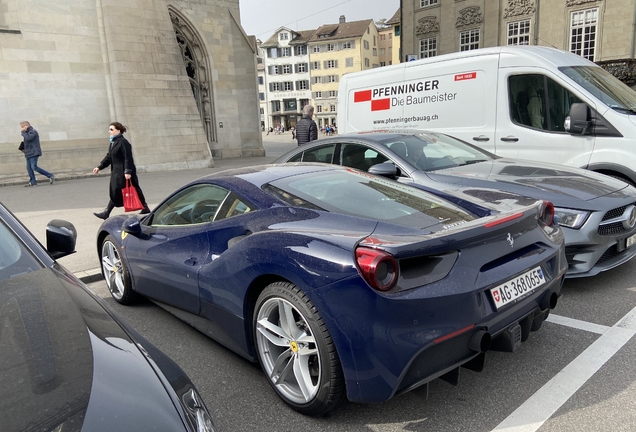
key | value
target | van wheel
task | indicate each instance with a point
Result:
(296, 351)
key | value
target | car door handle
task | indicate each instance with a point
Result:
(481, 138)
(509, 139)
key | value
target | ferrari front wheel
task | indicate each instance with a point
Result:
(115, 272)
(296, 351)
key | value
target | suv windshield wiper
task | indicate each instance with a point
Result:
(623, 109)
(474, 161)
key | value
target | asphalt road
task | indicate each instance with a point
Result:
(577, 373)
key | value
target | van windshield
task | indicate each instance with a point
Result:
(604, 86)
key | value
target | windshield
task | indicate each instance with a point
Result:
(15, 258)
(358, 194)
(432, 151)
(602, 84)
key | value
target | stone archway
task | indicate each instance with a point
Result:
(196, 62)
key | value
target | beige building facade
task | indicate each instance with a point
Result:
(600, 30)
(181, 75)
(335, 50)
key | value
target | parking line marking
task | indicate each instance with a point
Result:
(535, 411)
(577, 324)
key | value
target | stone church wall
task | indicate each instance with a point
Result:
(70, 67)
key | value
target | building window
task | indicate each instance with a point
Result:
(285, 52)
(317, 80)
(273, 53)
(367, 62)
(382, 51)
(274, 70)
(284, 36)
(332, 108)
(331, 47)
(332, 78)
(397, 31)
(301, 67)
(391, 35)
(318, 95)
(288, 86)
(424, 3)
(331, 64)
(300, 50)
(375, 51)
(316, 49)
(382, 37)
(333, 93)
(349, 62)
(382, 64)
(275, 86)
(290, 104)
(275, 106)
(262, 111)
(315, 65)
(469, 40)
(583, 33)
(302, 85)
(260, 80)
(428, 47)
(347, 45)
(261, 96)
(318, 108)
(366, 45)
(519, 33)
(286, 69)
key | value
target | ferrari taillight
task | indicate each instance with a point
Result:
(378, 268)
(547, 213)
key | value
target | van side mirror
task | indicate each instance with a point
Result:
(61, 237)
(384, 169)
(578, 121)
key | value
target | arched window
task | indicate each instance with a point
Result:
(197, 67)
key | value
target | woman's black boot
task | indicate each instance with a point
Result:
(106, 212)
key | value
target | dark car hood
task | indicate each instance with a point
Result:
(65, 361)
(564, 186)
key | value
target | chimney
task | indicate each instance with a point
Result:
(342, 19)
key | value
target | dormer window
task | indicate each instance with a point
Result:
(283, 36)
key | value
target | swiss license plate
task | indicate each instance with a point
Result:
(518, 287)
(630, 241)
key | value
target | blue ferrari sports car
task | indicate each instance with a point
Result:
(338, 282)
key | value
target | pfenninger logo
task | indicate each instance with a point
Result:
(381, 97)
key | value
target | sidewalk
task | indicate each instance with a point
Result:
(75, 196)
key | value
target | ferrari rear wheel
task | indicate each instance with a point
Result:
(296, 351)
(116, 273)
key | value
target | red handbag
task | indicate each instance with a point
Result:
(131, 199)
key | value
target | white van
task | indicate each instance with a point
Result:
(526, 102)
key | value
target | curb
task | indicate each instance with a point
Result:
(89, 276)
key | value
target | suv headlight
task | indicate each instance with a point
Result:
(570, 218)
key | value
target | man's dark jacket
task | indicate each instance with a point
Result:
(31, 140)
(306, 130)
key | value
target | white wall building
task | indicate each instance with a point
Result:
(287, 78)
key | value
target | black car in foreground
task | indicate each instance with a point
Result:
(67, 363)
(596, 212)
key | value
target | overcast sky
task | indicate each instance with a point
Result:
(262, 17)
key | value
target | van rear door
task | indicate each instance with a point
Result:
(533, 104)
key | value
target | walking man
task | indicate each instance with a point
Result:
(306, 128)
(32, 151)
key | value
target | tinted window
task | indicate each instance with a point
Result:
(199, 204)
(360, 157)
(318, 154)
(15, 258)
(365, 196)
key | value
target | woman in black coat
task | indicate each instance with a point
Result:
(122, 168)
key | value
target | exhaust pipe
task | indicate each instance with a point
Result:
(549, 301)
(480, 341)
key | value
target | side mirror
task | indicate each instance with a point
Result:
(61, 237)
(578, 121)
(384, 169)
(132, 226)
